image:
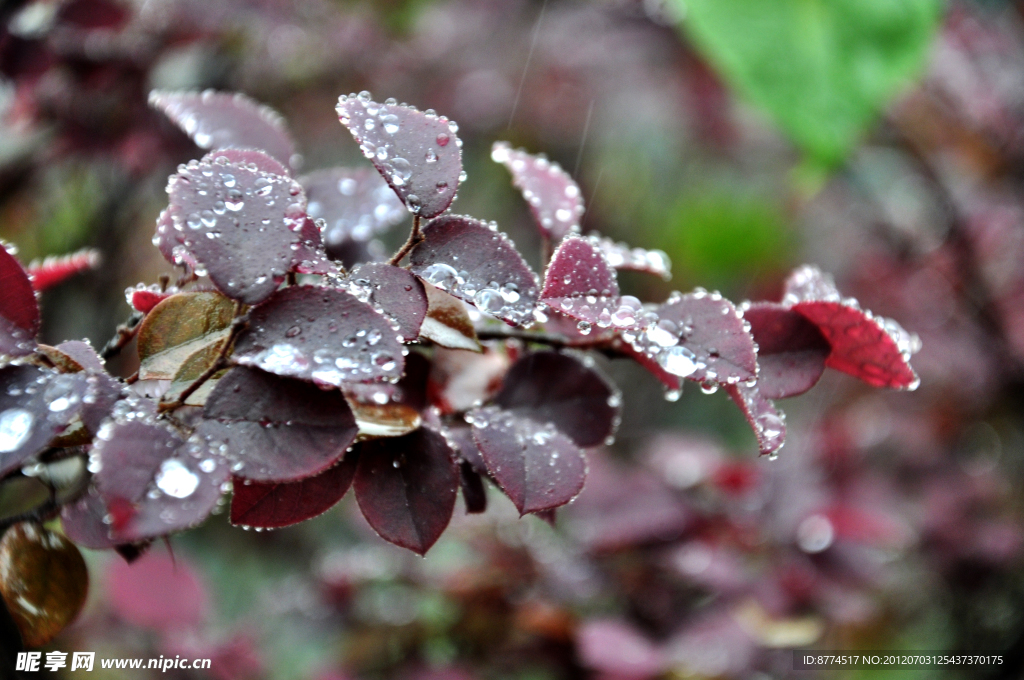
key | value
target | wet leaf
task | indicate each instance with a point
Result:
(320, 334)
(83, 521)
(43, 581)
(872, 348)
(221, 120)
(356, 204)
(179, 603)
(621, 256)
(710, 329)
(554, 197)
(768, 423)
(276, 429)
(171, 242)
(385, 420)
(82, 354)
(19, 312)
(54, 269)
(394, 292)
(536, 466)
(35, 405)
(475, 262)
(473, 492)
(417, 153)
(548, 387)
(310, 256)
(241, 224)
(581, 284)
(152, 481)
(252, 158)
(178, 328)
(791, 351)
(269, 505)
(447, 323)
(406, 487)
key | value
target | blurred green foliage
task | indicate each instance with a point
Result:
(822, 69)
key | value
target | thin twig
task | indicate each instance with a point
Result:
(125, 333)
(415, 236)
(549, 339)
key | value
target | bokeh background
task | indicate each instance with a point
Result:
(883, 141)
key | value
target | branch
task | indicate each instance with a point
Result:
(125, 333)
(415, 237)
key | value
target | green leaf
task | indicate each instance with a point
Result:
(823, 69)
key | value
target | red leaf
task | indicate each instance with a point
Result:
(241, 224)
(791, 351)
(271, 505)
(580, 283)
(221, 120)
(768, 423)
(157, 592)
(276, 429)
(83, 521)
(548, 387)
(536, 466)
(394, 292)
(875, 349)
(19, 312)
(356, 205)
(478, 264)
(35, 405)
(406, 487)
(417, 153)
(554, 198)
(145, 299)
(254, 159)
(320, 334)
(55, 269)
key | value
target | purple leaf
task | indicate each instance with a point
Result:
(270, 505)
(768, 423)
(171, 242)
(554, 197)
(548, 387)
(580, 283)
(394, 292)
(791, 350)
(152, 481)
(473, 492)
(19, 312)
(621, 256)
(355, 203)
(220, 120)
(310, 256)
(35, 405)
(253, 159)
(417, 153)
(536, 466)
(241, 224)
(713, 346)
(83, 354)
(83, 521)
(276, 429)
(476, 263)
(320, 334)
(406, 487)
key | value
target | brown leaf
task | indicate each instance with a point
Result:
(43, 580)
(179, 327)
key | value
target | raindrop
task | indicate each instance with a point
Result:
(678, 360)
(15, 428)
(176, 480)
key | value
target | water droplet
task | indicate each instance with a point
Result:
(678, 360)
(15, 428)
(176, 480)
(443, 139)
